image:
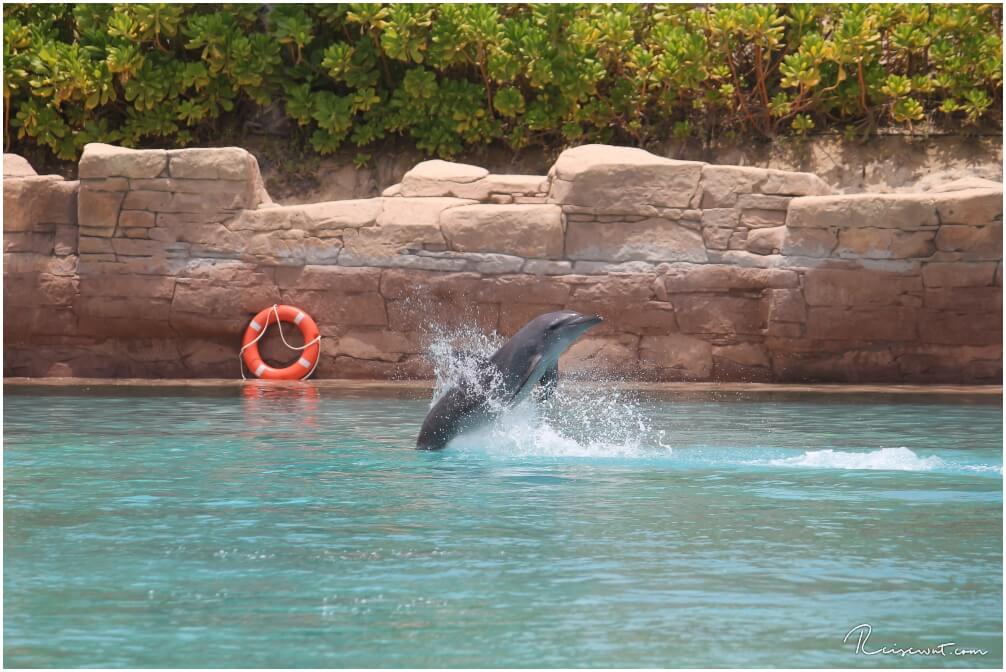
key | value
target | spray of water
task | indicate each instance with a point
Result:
(576, 421)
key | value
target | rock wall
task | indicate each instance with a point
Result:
(154, 263)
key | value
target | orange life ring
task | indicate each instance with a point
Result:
(304, 366)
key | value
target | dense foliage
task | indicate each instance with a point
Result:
(455, 76)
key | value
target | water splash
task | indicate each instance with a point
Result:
(576, 421)
(888, 459)
(459, 355)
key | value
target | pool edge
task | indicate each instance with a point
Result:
(354, 384)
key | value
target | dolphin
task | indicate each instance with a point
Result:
(528, 359)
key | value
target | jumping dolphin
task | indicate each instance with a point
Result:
(530, 358)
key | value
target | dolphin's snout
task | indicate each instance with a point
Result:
(584, 321)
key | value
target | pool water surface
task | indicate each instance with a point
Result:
(297, 527)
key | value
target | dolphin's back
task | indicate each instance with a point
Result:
(460, 408)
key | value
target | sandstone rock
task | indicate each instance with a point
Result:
(766, 241)
(515, 185)
(786, 305)
(615, 289)
(824, 287)
(335, 279)
(762, 202)
(719, 278)
(525, 230)
(65, 240)
(137, 218)
(621, 179)
(975, 242)
(862, 324)
(890, 211)
(15, 165)
(727, 218)
(809, 242)
(790, 183)
(513, 316)
(645, 317)
(523, 288)
(29, 202)
(971, 299)
(722, 185)
(417, 212)
(605, 354)
(945, 363)
(210, 203)
(101, 160)
(547, 267)
(33, 289)
(379, 344)
(111, 184)
(444, 178)
(204, 297)
(719, 314)
(964, 184)
(785, 329)
(403, 224)
(957, 327)
(937, 274)
(412, 314)
(93, 245)
(114, 285)
(973, 206)
(738, 240)
(99, 211)
(215, 163)
(146, 200)
(755, 219)
(691, 357)
(292, 248)
(392, 191)
(399, 284)
(604, 268)
(716, 238)
(646, 240)
(494, 264)
(746, 354)
(872, 243)
(138, 248)
(321, 219)
(876, 365)
(181, 186)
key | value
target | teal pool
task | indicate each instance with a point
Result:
(298, 528)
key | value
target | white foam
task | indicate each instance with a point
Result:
(889, 459)
(574, 422)
(525, 432)
(983, 468)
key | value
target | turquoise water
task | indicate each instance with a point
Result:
(298, 528)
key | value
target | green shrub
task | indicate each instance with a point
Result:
(448, 77)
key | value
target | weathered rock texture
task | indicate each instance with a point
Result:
(153, 264)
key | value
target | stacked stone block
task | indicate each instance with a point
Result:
(703, 272)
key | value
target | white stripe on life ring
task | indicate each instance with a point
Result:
(255, 325)
(303, 362)
(297, 320)
(259, 370)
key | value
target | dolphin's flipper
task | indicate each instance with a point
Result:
(525, 376)
(548, 382)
